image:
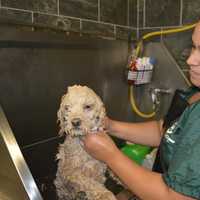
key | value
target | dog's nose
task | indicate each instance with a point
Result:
(76, 122)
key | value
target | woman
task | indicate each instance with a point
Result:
(179, 147)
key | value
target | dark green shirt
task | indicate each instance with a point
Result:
(180, 153)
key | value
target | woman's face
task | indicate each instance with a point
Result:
(194, 58)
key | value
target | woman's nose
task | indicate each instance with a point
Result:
(193, 59)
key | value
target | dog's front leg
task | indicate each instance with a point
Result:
(88, 189)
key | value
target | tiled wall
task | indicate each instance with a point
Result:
(97, 17)
(110, 18)
(115, 19)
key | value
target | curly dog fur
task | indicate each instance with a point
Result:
(79, 176)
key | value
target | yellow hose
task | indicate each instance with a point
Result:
(132, 100)
(163, 32)
(148, 35)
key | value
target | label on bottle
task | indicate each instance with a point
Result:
(143, 77)
(132, 75)
(141, 70)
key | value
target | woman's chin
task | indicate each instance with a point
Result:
(195, 82)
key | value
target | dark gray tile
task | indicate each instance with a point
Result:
(49, 6)
(162, 13)
(126, 33)
(141, 13)
(98, 29)
(184, 54)
(133, 13)
(87, 9)
(114, 11)
(57, 22)
(191, 10)
(15, 15)
(179, 45)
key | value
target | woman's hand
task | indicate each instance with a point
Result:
(107, 123)
(100, 146)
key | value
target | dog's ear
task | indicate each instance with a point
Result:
(62, 98)
(60, 121)
(61, 131)
(59, 110)
(60, 118)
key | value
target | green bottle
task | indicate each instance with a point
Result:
(136, 152)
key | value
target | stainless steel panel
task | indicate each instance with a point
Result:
(37, 67)
(166, 75)
(16, 181)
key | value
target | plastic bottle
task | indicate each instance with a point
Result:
(136, 152)
(140, 70)
(132, 72)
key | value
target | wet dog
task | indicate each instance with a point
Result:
(79, 176)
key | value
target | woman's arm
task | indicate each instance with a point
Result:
(146, 184)
(146, 133)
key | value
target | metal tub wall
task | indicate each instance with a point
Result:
(33, 80)
(16, 181)
(35, 71)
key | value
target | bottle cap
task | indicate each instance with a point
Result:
(152, 60)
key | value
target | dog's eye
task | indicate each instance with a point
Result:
(88, 107)
(66, 107)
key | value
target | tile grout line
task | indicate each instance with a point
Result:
(161, 35)
(144, 14)
(128, 13)
(17, 9)
(159, 27)
(81, 25)
(58, 7)
(32, 20)
(89, 20)
(32, 17)
(181, 12)
(138, 20)
(76, 18)
(115, 30)
(99, 10)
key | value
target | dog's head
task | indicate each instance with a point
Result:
(81, 111)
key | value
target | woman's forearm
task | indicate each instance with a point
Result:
(146, 133)
(145, 184)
